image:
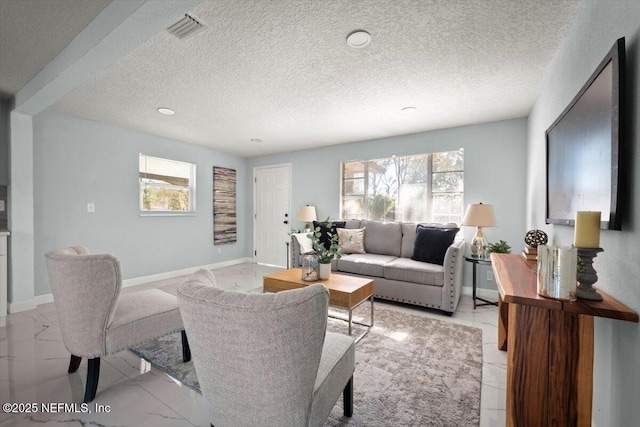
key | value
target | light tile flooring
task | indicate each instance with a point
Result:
(33, 368)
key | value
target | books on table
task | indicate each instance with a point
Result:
(530, 252)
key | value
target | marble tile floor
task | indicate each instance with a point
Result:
(33, 369)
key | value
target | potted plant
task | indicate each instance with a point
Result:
(325, 255)
(499, 248)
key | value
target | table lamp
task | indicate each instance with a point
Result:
(479, 215)
(308, 215)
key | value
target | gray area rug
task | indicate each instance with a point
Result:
(410, 371)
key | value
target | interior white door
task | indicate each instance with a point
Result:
(272, 219)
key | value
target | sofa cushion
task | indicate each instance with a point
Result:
(408, 239)
(408, 270)
(384, 238)
(432, 243)
(352, 223)
(364, 264)
(325, 240)
(351, 241)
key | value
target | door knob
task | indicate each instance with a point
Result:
(286, 222)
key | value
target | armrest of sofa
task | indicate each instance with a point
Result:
(452, 288)
(294, 252)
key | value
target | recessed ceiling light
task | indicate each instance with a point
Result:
(166, 111)
(256, 140)
(409, 110)
(358, 39)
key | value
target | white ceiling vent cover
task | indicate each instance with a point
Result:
(186, 27)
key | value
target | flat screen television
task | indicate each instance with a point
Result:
(584, 145)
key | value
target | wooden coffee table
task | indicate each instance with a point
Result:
(344, 291)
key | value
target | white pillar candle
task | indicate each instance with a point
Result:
(543, 270)
(587, 233)
(566, 272)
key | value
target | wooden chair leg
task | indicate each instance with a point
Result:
(93, 374)
(347, 398)
(186, 351)
(74, 363)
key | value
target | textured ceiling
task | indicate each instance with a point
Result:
(281, 71)
(33, 32)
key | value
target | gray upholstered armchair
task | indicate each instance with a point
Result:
(95, 319)
(266, 359)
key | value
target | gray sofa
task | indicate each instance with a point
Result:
(389, 247)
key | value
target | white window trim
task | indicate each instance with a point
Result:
(192, 192)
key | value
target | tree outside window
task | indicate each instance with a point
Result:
(418, 188)
(166, 186)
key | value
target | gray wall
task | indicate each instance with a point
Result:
(495, 172)
(617, 344)
(79, 161)
(4, 161)
(4, 142)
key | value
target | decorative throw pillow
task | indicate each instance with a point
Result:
(351, 241)
(325, 240)
(304, 242)
(432, 243)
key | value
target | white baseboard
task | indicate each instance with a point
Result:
(488, 294)
(16, 307)
(177, 273)
(43, 299)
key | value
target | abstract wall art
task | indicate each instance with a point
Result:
(224, 205)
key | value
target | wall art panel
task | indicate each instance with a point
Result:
(224, 205)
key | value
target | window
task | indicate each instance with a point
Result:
(167, 187)
(419, 188)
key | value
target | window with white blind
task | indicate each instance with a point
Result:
(167, 187)
(417, 188)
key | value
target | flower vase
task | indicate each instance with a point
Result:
(325, 271)
(309, 267)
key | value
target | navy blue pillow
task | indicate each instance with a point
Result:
(432, 243)
(324, 237)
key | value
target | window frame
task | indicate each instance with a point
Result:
(433, 172)
(429, 182)
(191, 188)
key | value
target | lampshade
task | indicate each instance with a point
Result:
(307, 213)
(479, 215)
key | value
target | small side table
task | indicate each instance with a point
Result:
(475, 261)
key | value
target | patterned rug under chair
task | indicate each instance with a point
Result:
(410, 370)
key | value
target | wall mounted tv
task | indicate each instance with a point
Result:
(584, 145)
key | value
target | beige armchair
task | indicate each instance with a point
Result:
(95, 319)
(266, 359)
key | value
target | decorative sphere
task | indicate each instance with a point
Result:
(534, 238)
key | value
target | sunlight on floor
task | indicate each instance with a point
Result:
(34, 362)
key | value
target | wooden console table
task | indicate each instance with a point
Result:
(549, 347)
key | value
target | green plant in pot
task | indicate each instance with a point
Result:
(325, 255)
(499, 248)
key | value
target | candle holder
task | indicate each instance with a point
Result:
(588, 276)
(557, 272)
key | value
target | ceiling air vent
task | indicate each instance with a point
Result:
(185, 28)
